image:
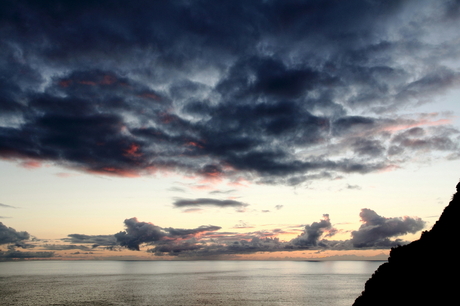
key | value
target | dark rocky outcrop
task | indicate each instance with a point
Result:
(424, 272)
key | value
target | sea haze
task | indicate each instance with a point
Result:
(183, 282)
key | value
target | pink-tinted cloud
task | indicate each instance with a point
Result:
(115, 172)
(65, 174)
(133, 151)
(423, 122)
(31, 164)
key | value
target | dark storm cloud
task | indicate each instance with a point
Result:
(376, 230)
(268, 91)
(10, 235)
(208, 202)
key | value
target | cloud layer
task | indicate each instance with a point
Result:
(376, 232)
(194, 204)
(138, 233)
(10, 235)
(270, 91)
(12, 239)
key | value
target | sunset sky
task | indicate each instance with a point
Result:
(225, 129)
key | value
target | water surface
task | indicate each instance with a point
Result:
(183, 282)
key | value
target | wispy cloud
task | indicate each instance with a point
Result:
(208, 202)
(353, 187)
(241, 224)
(176, 189)
(7, 206)
(222, 191)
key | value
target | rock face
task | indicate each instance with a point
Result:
(424, 272)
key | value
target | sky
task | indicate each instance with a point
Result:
(225, 129)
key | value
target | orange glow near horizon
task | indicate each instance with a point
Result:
(125, 254)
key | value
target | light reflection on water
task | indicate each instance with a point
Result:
(183, 282)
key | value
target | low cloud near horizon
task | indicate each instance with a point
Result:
(376, 232)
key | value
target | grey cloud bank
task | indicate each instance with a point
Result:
(208, 202)
(376, 232)
(10, 235)
(12, 238)
(276, 92)
(138, 233)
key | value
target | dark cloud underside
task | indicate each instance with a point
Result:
(376, 232)
(138, 232)
(14, 254)
(272, 91)
(10, 235)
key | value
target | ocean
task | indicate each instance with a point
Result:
(322, 283)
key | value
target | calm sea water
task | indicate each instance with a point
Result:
(183, 282)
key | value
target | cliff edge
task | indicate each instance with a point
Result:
(424, 272)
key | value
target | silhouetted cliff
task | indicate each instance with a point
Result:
(424, 272)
